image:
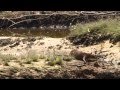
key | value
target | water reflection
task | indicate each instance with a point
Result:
(35, 32)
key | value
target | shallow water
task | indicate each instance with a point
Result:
(58, 33)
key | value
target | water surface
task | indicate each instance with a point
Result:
(58, 33)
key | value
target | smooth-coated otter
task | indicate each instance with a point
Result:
(83, 56)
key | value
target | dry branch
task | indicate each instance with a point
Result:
(53, 19)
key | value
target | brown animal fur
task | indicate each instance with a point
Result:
(82, 56)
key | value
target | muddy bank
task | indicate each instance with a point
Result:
(92, 38)
(105, 68)
(46, 20)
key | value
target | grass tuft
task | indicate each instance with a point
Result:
(105, 26)
(55, 60)
(101, 28)
(7, 57)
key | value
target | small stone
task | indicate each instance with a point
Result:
(96, 64)
(111, 46)
(31, 39)
(50, 47)
(42, 43)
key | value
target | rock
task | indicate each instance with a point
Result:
(111, 46)
(15, 44)
(50, 47)
(59, 46)
(96, 64)
(31, 39)
(42, 43)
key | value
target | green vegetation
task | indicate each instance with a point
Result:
(31, 57)
(55, 60)
(58, 59)
(67, 58)
(109, 28)
(41, 57)
(7, 57)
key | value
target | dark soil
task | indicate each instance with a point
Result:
(69, 71)
(92, 38)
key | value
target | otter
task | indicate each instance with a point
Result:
(86, 57)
